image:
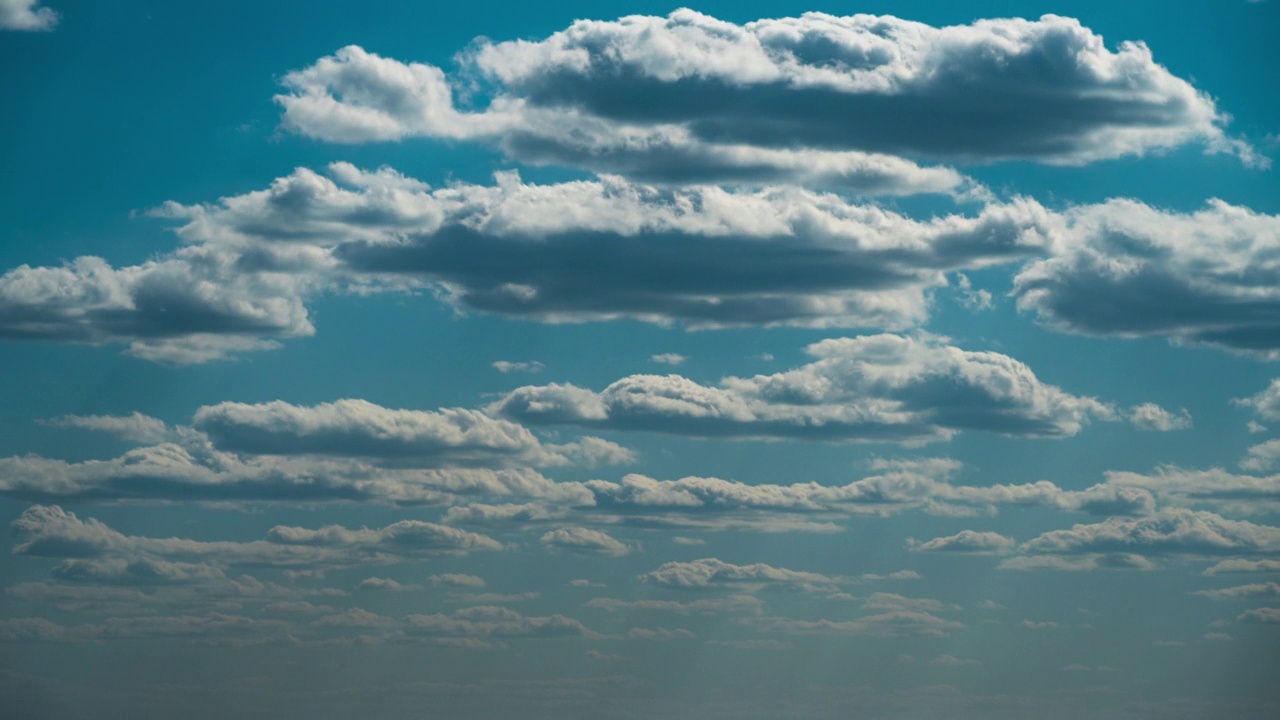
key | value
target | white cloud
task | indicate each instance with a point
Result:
(1243, 565)
(1266, 403)
(817, 88)
(383, 584)
(358, 428)
(1269, 616)
(456, 580)
(179, 472)
(192, 306)
(1215, 487)
(356, 96)
(583, 540)
(709, 573)
(1149, 416)
(888, 624)
(1241, 591)
(135, 427)
(668, 359)
(1125, 269)
(492, 622)
(50, 531)
(659, 634)
(883, 388)
(894, 487)
(507, 366)
(1263, 457)
(967, 541)
(698, 255)
(26, 15)
(1169, 531)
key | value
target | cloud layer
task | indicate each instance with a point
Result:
(885, 388)
(689, 98)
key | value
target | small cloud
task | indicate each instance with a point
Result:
(965, 541)
(1235, 565)
(896, 575)
(506, 366)
(1263, 615)
(583, 540)
(659, 634)
(1262, 457)
(668, 359)
(974, 300)
(383, 584)
(456, 580)
(1149, 416)
(1217, 637)
(1039, 625)
(681, 540)
(1256, 427)
(764, 357)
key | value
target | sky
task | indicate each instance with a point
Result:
(626, 360)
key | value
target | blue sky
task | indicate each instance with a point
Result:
(901, 360)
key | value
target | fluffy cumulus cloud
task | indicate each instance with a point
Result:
(26, 15)
(1125, 269)
(1266, 403)
(698, 255)
(356, 96)
(870, 388)
(688, 97)
(701, 256)
(1149, 416)
(1262, 457)
(1167, 532)
(1216, 488)
(584, 541)
(193, 306)
(967, 541)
